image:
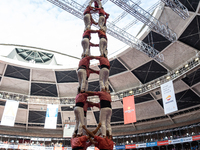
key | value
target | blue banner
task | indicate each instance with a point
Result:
(151, 144)
(120, 147)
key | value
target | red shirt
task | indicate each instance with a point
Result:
(103, 95)
(87, 10)
(81, 97)
(101, 11)
(85, 61)
(101, 34)
(103, 61)
(104, 143)
(87, 145)
(87, 33)
(78, 141)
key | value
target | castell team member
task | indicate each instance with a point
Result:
(85, 107)
(88, 18)
(103, 16)
(78, 142)
(104, 71)
(89, 71)
(82, 71)
(79, 112)
(97, 3)
(86, 41)
(104, 143)
(102, 41)
(105, 110)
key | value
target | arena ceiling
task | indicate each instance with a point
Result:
(129, 69)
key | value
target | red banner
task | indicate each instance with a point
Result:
(130, 146)
(129, 109)
(159, 143)
(195, 138)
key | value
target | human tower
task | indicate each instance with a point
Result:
(81, 134)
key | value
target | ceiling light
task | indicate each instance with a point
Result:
(140, 89)
(27, 99)
(130, 92)
(177, 72)
(7, 96)
(168, 77)
(149, 85)
(158, 81)
(121, 94)
(197, 59)
(37, 99)
(186, 65)
(17, 97)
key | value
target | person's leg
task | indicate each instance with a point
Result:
(85, 44)
(85, 123)
(81, 119)
(76, 118)
(87, 21)
(87, 50)
(79, 74)
(102, 119)
(105, 80)
(99, 3)
(104, 46)
(90, 3)
(108, 118)
(101, 77)
(86, 85)
(82, 78)
(101, 22)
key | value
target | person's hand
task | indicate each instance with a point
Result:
(99, 125)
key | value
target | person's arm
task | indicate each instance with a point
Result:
(88, 132)
(92, 134)
(91, 141)
(96, 130)
(94, 45)
(92, 20)
(107, 15)
(90, 93)
(94, 71)
(93, 31)
(91, 104)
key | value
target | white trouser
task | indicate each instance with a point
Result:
(79, 116)
(104, 28)
(98, 1)
(102, 45)
(85, 123)
(82, 75)
(101, 22)
(86, 85)
(103, 78)
(86, 46)
(105, 117)
(87, 21)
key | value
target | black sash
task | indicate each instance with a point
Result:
(105, 103)
(78, 148)
(80, 104)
